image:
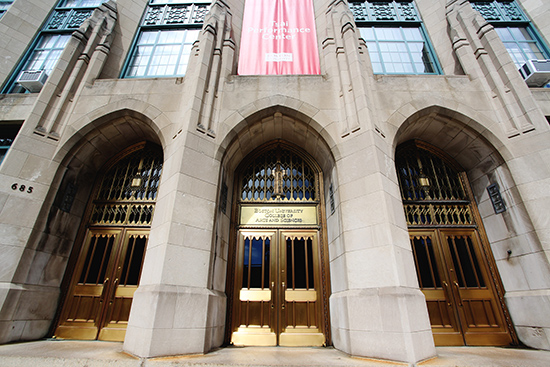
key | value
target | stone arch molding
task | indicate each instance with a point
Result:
(452, 127)
(124, 111)
(292, 120)
(304, 117)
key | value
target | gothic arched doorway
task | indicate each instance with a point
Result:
(278, 273)
(454, 263)
(114, 238)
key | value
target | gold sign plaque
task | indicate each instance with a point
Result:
(278, 215)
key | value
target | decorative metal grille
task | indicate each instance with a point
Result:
(386, 11)
(432, 190)
(331, 198)
(278, 174)
(68, 19)
(439, 215)
(223, 198)
(57, 20)
(128, 190)
(415, 164)
(499, 11)
(78, 17)
(175, 14)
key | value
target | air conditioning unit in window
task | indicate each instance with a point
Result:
(536, 72)
(32, 80)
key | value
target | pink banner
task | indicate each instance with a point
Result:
(278, 38)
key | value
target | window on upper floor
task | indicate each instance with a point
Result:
(163, 44)
(46, 49)
(514, 29)
(8, 132)
(395, 37)
(4, 5)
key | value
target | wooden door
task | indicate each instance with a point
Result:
(106, 277)
(460, 294)
(277, 285)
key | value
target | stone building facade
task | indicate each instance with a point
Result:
(438, 173)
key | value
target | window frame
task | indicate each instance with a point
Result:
(8, 133)
(4, 6)
(62, 20)
(395, 16)
(161, 23)
(515, 18)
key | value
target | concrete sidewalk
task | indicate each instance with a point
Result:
(95, 354)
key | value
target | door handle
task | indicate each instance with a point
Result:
(113, 292)
(458, 293)
(104, 290)
(283, 296)
(272, 297)
(447, 295)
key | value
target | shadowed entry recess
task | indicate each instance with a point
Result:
(97, 304)
(455, 267)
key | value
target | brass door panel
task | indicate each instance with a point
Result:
(254, 285)
(278, 282)
(460, 295)
(107, 275)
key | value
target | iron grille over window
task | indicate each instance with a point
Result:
(514, 29)
(499, 11)
(163, 45)
(128, 191)
(278, 174)
(395, 37)
(67, 16)
(432, 189)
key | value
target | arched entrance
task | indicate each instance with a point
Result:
(455, 267)
(114, 239)
(278, 267)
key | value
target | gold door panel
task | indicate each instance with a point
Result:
(83, 307)
(460, 295)
(254, 285)
(300, 309)
(481, 317)
(107, 275)
(278, 304)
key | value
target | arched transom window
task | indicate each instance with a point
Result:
(432, 188)
(128, 190)
(278, 174)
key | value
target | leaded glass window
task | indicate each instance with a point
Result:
(278, 174)
(44, 52)
(432, 188)
(128, 190)
(395, 37)
(163, 45)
